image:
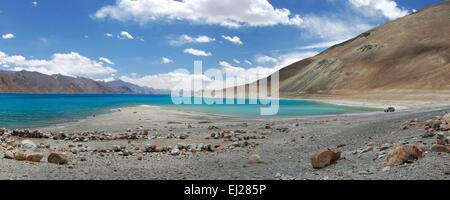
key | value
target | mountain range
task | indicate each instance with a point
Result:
(34, 82)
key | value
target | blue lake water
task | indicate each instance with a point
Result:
(37, 110)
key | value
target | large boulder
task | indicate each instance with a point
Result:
(35, 157)
(59, 158)
(29, 145)
(20, 156)
(403, 154)
(325, 157)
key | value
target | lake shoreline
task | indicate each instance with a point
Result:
(283, 147)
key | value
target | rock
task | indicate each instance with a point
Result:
(385, 146)
(184, 136)
(28, 144)
(210, 148)
(428, 135)
(445, 127)
(254, 159)
(440, 139)
(59, 158)
(403, 154)
(9, 155)
(446, 118)
(175, 152)
(117, 148)
(385, 169)
(440, 148)
(325, 157)
(83, 159)
(20, 156)
(367, 149)
(35, 157)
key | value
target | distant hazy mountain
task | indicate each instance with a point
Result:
(34, 82)
(136, 88)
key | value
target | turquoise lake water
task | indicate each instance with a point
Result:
(38, 110)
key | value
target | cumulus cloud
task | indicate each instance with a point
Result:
(242, 75)
(235, 40)
(125, 35)
(106, 60)
(330, 29)
(109, 35)
(165, 60)
(69, 64)
(8, 36)
(197, 52)
(387, 8)
(230, 13)
(186, 39)
(263, 59)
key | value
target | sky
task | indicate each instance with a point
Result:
(145, 41)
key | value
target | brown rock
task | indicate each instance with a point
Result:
(325, 157)
(440, 148)
(184, 136)
(35, 157)
(59, 158)
(20, 156)
(403, 154)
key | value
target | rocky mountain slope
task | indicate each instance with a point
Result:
(408, 58)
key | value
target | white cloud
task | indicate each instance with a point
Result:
(197, 52)
(109, 35)
(263, 59)
(165, 60)
(235, 40)
(125, 35)
(240, 74)
(186, 39)
(387, 8)
(35, 3)
(248, 62)
(8, 36)
(69, 64)
(292, 57)
(236, 61)
(164, 81)
(106, 60)
(321, 45)
(230, 13)
(331, 29)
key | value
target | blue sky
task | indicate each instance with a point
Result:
(69, 37)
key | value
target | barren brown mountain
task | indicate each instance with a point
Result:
(407, 59)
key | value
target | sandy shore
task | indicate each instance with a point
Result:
(284, 146)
